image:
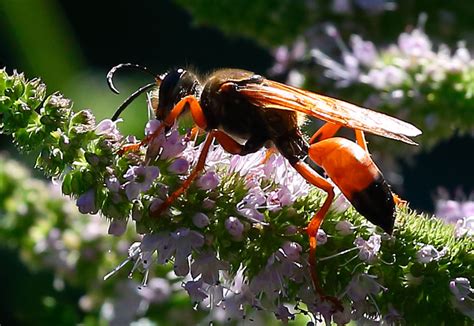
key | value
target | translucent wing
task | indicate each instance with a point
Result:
(274, 95)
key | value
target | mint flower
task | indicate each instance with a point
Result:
(461, 288)
(139, 179)
(208, 267)
(428, 253)
(210, 180)
(200, 220)
(117, 227)
(195, 290)
(363, 286)
(411, 78)
(179, 166)
(86, 203)
(108, 128)
(368, 250)
(234, 227)
(464, 227)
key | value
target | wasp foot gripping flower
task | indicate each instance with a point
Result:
(234, 241)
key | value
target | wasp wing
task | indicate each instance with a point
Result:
(274, 95)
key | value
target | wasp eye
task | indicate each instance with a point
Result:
(169, 85)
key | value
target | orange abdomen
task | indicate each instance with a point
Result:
(358, 178)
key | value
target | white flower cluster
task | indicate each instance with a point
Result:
(412, 60)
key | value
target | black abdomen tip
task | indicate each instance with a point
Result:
(376, 204)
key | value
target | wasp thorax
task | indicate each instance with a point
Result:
(175, 85)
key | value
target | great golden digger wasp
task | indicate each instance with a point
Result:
(244, 112)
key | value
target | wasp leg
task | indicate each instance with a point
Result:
(329, 129)
(268, 153)
(187, 183)
(231, 146)
(228, 143)
(194, 106)
(194, 133)
(196, 112)
(312, 229)
(360, 139)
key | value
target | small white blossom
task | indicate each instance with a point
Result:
(321, 237)
(109, 128)
(86, 203)
(179, 166)
(448, 210)
(369, 249)
(157, 290)
(464, 227)
(361, 286)
(415, 44)
(292, 250)
(344, 227)
(428, 253)
(140, 179)
(461, 288)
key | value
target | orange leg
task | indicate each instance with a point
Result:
(269, 152)
(313, 226)
(196, 112)
(187, 183)
(329, 129)
(194, 133)
(228, 143)
(200, 120)
(360, 139)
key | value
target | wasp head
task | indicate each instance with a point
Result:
(172, 87)
(175, 85)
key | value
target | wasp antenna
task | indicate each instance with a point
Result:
(110, 74)
(130, 99)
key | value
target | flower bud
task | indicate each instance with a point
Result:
(200, 220)
(234, 227)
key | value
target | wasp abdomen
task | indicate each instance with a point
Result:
(358, 178)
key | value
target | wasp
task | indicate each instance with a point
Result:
(244, 112)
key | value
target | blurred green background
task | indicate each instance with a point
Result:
(72, 44)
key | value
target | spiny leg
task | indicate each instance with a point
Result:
(313, 226)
